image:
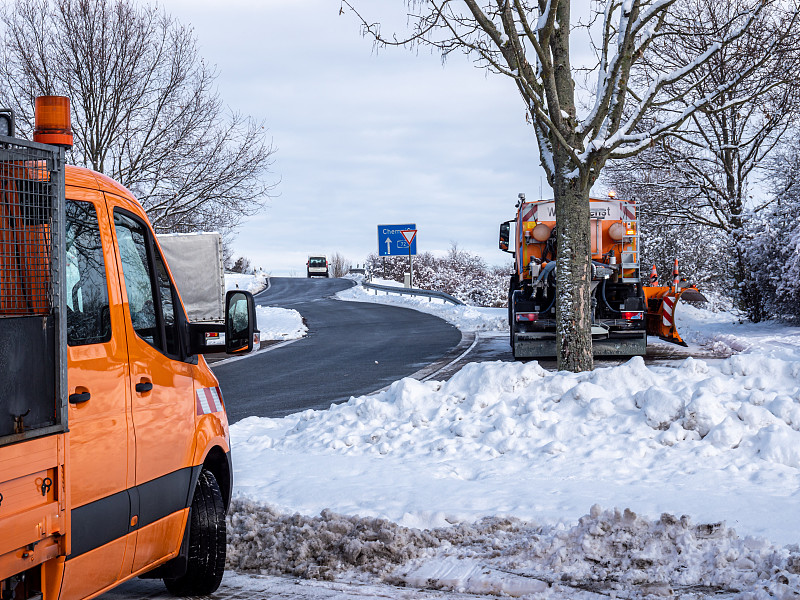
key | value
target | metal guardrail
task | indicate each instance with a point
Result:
(389, 289)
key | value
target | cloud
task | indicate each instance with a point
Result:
(364, 137)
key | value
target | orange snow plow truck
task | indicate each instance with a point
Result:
(626, 308)
(114, 445)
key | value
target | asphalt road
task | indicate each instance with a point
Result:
(351, 349)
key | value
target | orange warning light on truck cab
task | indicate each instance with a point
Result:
(52, 121)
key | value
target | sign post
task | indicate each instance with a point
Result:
(410, 235)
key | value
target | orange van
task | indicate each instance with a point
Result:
(114, 448)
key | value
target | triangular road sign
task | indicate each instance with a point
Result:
(409, 234)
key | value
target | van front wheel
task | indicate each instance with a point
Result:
(207, 539)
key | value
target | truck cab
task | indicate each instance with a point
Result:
(115, 457)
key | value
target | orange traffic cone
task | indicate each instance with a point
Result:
(676, 278)
(654, 276)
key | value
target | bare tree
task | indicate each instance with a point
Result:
(340, 266)
(145, 111)
(529, 42)
(705, 170)
(664, 236)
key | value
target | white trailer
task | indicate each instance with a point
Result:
(195, 260)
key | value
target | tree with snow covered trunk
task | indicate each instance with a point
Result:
(701, 175)
(529, 42)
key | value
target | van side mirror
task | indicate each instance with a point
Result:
(240, 318)
(234, 336)
(505, 236)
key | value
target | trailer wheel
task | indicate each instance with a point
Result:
(207, 540)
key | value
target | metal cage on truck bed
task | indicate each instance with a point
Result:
(33, 375)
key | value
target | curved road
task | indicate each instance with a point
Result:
(351, 349)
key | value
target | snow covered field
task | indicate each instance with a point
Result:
(678, 480)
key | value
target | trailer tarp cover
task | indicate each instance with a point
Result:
(195, 260)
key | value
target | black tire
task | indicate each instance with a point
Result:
(207, 540)
(513, 329)
(513, 284)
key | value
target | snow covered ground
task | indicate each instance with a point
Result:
(677, 480)
(252, 282)
(280, 323)
(466, 318)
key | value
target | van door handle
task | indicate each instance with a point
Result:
(79, 398)
(144, 386)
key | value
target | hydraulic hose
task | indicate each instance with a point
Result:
(547, 271)
(605, 300)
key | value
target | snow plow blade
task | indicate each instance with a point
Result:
(661, 305)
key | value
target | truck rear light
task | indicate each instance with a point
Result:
(527, 316)
(214, 338)
(632, 315)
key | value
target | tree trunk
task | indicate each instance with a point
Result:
(749, 295)
(573, 275)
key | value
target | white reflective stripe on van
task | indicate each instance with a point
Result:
(209, 400)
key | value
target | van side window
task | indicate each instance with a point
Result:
(138, 283)
(167, 306)
(150, 294)
(88, 315)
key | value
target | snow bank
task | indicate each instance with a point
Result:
(608, 552)
(493, 482)
(466, 318)
(727, 413)
(725, 333)
(716, 440)
(253, 282)
(280, 323)
(267, 542)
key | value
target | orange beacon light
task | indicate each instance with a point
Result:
(52, 121)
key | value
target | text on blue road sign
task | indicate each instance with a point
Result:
(392, 243)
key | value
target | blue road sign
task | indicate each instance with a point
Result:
(392, 243)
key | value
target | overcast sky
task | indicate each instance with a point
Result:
(362, 138)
